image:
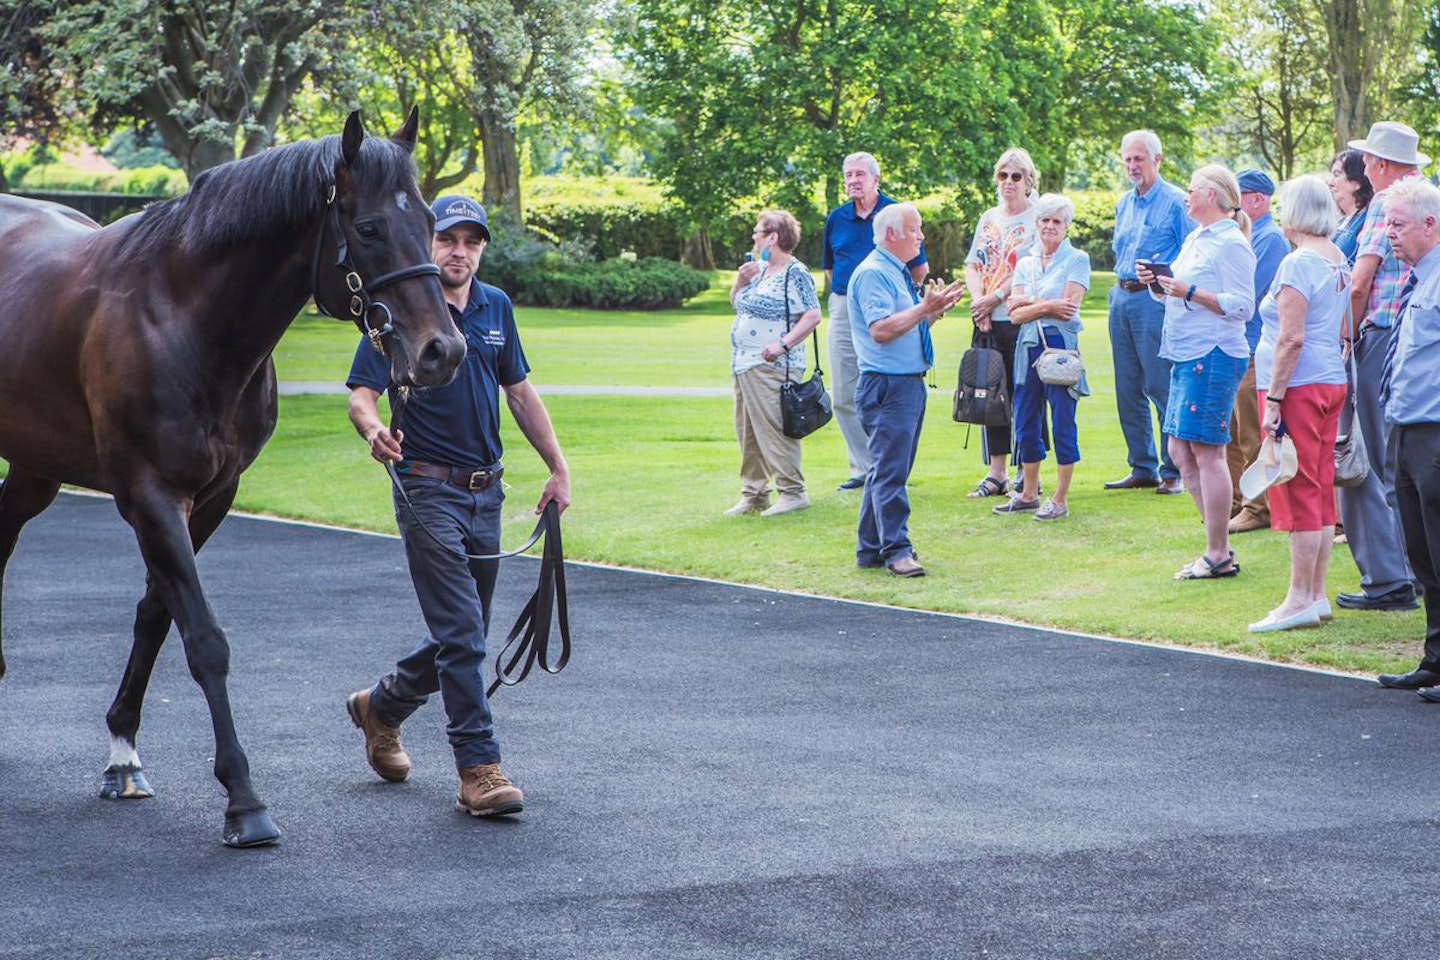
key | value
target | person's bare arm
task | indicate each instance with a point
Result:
(534, 421)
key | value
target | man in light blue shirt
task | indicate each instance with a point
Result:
(890, 325)
(1270, 247)
(1412, 407)
(1150, 224)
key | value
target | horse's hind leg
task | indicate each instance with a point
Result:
(124, 778)
(21, 498)
(172, 576)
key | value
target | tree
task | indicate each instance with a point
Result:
(1369, 40)
(208, 76)
(769, 98)
(523, 53)
(1129, 66)
(30, 96)
(1280, 108)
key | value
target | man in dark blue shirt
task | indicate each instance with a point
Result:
(446, 450)
(849, 239)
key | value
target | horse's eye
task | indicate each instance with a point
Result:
(367, 230)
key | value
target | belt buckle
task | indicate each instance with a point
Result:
(480, 479)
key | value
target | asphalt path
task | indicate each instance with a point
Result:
(721, 772)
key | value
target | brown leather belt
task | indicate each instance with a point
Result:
(1131, 286)
(463, 477)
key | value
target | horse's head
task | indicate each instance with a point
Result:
(377, 234)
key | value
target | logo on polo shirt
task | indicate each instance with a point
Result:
(495, 338)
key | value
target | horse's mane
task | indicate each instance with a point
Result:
(277, 191)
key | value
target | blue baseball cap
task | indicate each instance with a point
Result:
(1256, 181)
(456, 209)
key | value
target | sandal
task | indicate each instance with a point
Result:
(1017, 505)
(1204, 569)
(990, 487)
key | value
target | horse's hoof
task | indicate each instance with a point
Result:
(253, 828)
(125, 783)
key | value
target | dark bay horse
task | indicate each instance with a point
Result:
(135, 359)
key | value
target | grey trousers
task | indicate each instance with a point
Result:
(1372, 525)
(844, 378)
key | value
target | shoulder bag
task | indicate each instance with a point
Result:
(981, 396)
(1056, 366)
(1352, 461)
(804, 407)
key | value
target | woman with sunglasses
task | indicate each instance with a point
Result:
(1005, 233)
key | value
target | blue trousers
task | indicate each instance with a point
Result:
(1031, 398)
(454, 596)
(892, 410)
(1142, 379)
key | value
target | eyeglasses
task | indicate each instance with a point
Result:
(1002, 176)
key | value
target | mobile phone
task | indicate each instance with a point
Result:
(748, 258)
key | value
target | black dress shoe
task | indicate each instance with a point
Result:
(1132, 482)
(854, 483)
(1414, 680)
(1171, 486)
(1429, 694)
(1401, 598)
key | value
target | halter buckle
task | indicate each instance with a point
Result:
(353, 282)
(357, 305)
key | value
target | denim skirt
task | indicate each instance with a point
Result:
(1202, 395)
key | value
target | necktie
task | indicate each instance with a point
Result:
(1389, 368)
(927, 346)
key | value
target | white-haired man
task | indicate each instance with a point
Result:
(1412, 407)
(1150, 224)
(890, 322)
(1372, 526)
(849, 238)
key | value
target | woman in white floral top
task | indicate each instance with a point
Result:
(776, 308)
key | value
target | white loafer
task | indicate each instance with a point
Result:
(1309, 617)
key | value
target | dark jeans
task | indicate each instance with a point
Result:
(1031, 398)
(892, 410)
(454, 595)
(1002, 338)
(1415, 457)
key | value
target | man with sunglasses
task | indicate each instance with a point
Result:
(1150, 224)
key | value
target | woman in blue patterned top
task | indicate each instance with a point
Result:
(1352, 192)
(775, 309)
(1045, 293)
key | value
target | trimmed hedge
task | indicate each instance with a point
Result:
(647, 283)
(653, 227)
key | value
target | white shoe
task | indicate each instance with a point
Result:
(748, 505)
(1321, 609)
(1309, 617)
(786, 504)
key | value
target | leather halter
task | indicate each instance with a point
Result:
(362, 294)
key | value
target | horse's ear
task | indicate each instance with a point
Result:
(405, 136)
(351, 139)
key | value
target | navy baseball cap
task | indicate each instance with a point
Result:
(455, 209)
(1256, 181)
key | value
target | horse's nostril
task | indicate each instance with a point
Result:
(441, 354)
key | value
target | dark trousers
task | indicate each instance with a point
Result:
(892, 410)
(1415, 457)
(454, 595)
(1002, 338)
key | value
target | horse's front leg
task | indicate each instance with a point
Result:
(124, 778)
(160, 527)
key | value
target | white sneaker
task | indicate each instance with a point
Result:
(786, 504)
(748, 505)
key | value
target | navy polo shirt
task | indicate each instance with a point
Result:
(849, 240)
(457, 424)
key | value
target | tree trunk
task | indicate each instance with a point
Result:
(697, 252)
(502, 166)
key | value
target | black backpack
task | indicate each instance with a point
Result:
(981, 396)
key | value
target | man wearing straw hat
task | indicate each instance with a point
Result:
(1371, 524)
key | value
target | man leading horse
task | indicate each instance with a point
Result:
(446, 451)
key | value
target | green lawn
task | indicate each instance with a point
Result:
(653, 474)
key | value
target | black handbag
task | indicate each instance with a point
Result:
(981, 396)
(804, 407)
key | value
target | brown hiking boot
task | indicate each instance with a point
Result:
(486, 792)
(382, 743)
